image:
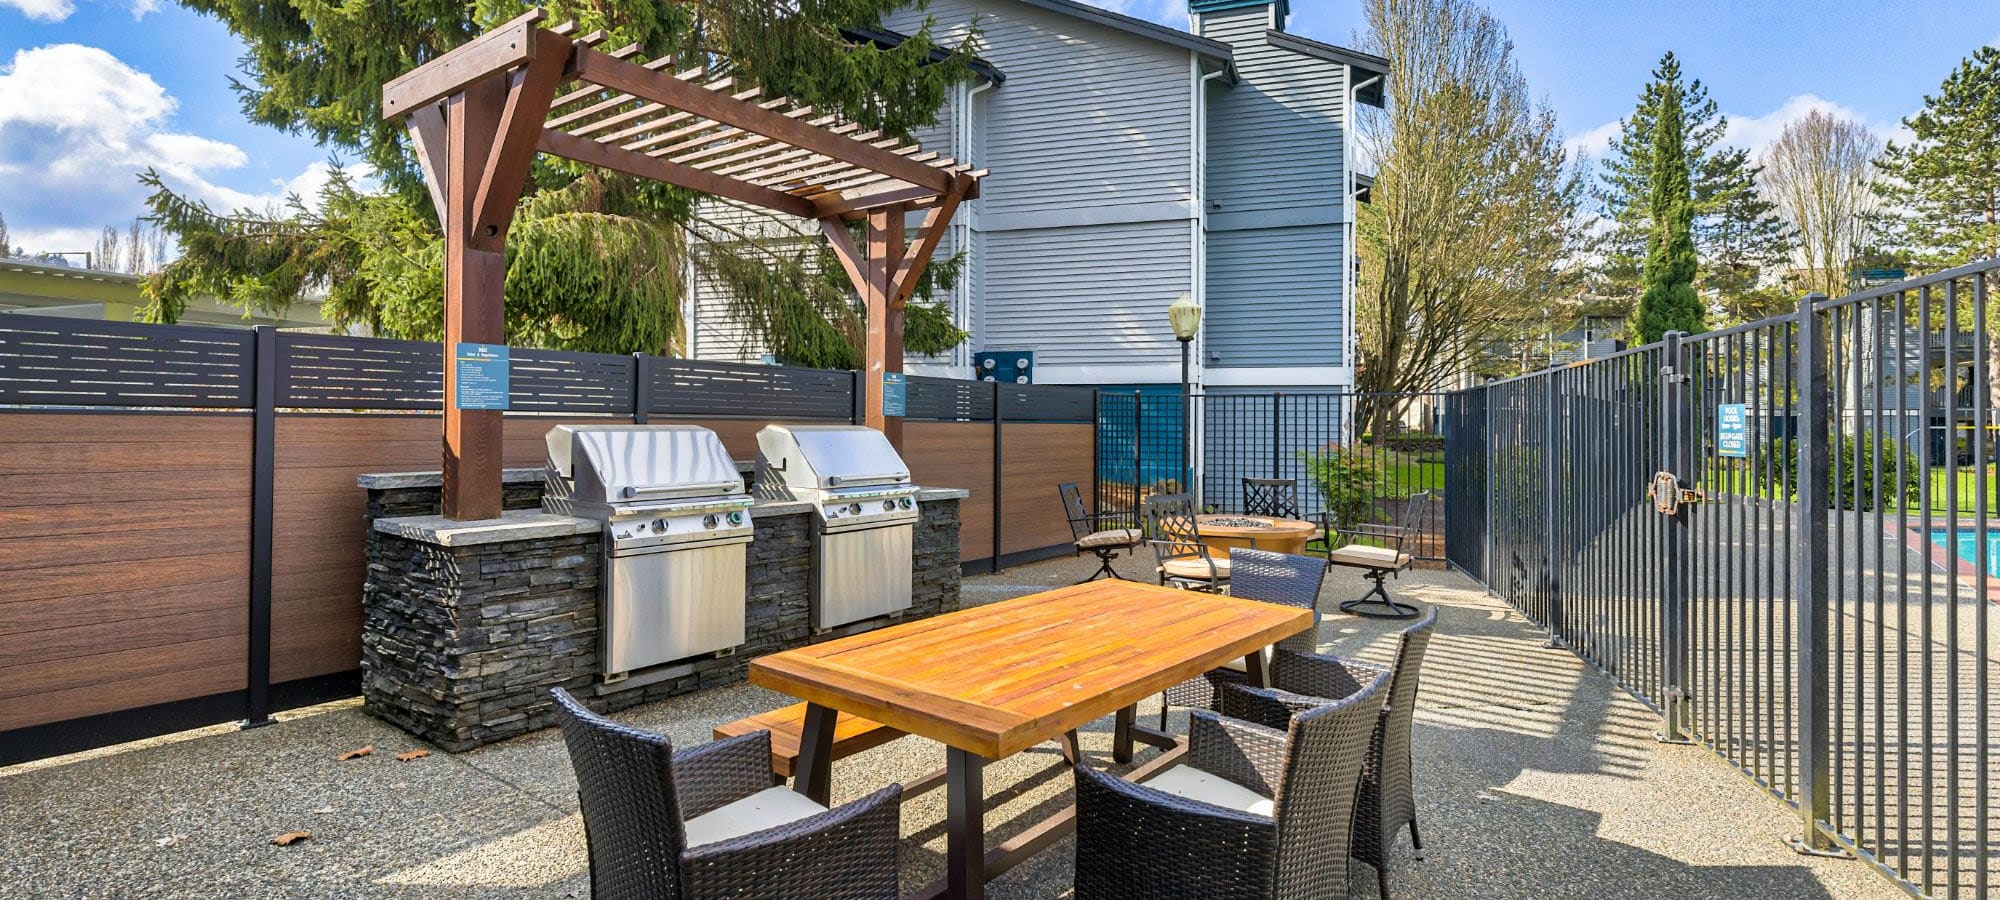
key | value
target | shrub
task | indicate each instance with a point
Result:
(1347, 480)
(1783, 465)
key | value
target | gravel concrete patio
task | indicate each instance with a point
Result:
(1537, 777)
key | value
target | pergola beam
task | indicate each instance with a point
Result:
(498, 50)
(639, 164)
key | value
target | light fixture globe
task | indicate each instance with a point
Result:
(1185, 316)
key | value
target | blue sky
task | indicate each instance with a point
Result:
(92, 91)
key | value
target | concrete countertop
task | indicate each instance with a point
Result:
(513, 525)
(376, 481)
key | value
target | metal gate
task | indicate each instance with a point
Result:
(1778, 535)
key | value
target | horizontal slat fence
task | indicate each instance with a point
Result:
(129, 602)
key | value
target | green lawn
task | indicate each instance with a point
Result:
(1742, 481)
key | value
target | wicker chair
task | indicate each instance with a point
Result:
(1185, 562)
(1279, 578)
(1091, 537)
(707, 822)
(1387, 801)
(1253, 812)
(1274, 497)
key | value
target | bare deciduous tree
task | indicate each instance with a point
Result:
(1474, 223)
(1821, 174)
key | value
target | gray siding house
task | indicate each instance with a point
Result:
(1132, 163)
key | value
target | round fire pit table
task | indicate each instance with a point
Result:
(1226, 532)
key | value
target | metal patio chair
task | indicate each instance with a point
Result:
(1280, 578)
(707, 822)
(1380, 552)
(1184, 561)
(1086, 528)
(1300, 680)
(1274, 497)
(1253, 812)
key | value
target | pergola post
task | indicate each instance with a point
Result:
(883, 345)
(474, 308)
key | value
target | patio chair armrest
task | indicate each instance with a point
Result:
(1268, 707)
(722, 772)
(1246, 753)
(1321, 675)
(1391, 532)
(1128, 834)
(847, 851)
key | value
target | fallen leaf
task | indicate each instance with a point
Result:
(418, 753)
(323, 810)
(167, 841)
(357, 753)
(291, 837)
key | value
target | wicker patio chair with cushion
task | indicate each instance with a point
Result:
(1185, 562)
(1279, 578)
(707, 822)
(1253, 812)
(1274, 497)
(1380, 552)
(1387, 800)
(1090, 534)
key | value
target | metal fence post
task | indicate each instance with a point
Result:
(1552, 477)
(1809, 580)
(860, 397)
(1486, 455)
(1675, 457)
(263, 493)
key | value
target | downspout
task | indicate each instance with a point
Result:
(966, 213)
(1200, 188)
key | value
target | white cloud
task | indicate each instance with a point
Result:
(1597, 141)
(77, 125)
(45, 10)
(141, 7)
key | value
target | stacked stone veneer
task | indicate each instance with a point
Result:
(461, 644)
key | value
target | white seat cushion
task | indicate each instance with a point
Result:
(1195, 784)
(1116, 537)
(768, 808)
(1196, 569)
(1364, 556)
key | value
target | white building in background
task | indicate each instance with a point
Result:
(1132, 163)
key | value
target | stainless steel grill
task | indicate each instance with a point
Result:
(865, 513)
(676, 521)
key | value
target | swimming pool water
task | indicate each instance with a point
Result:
(1965, 543)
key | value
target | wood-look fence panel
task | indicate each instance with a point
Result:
(1035, 458)
(124, 544)
(957, 454)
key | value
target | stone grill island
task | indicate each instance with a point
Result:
(467, 625)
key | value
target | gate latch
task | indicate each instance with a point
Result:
(1668, 495)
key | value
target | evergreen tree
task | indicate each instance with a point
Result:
(1669, 303)
(1736, 232)
(5, 252)
(1945, 185)
(595, 260)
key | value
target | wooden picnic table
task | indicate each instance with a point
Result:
(991, 681)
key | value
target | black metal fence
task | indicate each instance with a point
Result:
(1778, 535)
(1309, 438)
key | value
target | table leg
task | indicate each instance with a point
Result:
(815, 764)
(1255, 671)
(1121, 735)
(965, 825)
(1071, 750)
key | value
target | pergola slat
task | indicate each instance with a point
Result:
(478, 114)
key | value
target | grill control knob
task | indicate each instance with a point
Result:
(888, 506)
(710, 521)
(907, 503)
(659, 526)
(736, 518)
(854, 509)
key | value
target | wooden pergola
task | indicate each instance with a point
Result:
(478, 114)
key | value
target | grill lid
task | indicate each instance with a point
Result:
(632, 463)
(824, 457)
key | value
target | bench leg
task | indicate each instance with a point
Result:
(815, 764)
(965, 825)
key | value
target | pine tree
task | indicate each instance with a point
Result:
(1945, 184)
(1669, 303)
(1736, 232)
(5, 252)
(595, 260)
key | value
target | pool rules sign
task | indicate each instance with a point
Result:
(1732, 431)
(482, 381)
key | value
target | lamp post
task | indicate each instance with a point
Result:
(1185, 317)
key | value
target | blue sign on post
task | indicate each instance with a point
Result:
(895, 394)
(1732, 431)
(482, 376)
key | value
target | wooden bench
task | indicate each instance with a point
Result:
(851, 734)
